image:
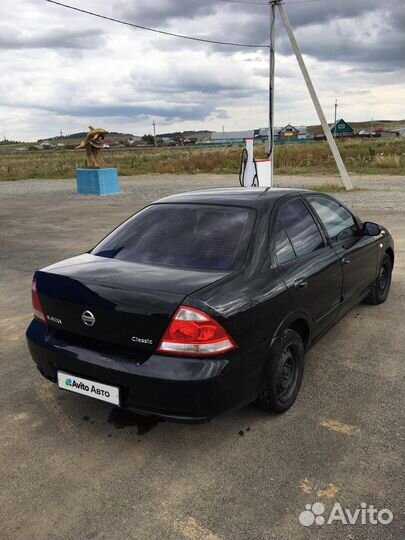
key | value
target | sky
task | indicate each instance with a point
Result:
(64, 70)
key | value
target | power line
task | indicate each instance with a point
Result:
(266, 4)
(302, 1)
(246, 2)
(140, 27)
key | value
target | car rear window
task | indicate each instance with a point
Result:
(183, 235)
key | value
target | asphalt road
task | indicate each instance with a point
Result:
(72, 467)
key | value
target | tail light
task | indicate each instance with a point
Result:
(194, 333)
(36, 304)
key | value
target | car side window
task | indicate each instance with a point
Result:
(301, 228)
(338, 222)
(283, 247)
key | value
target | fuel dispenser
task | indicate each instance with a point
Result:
(254, 172)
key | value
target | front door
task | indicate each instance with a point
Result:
(358, 254)
(359, 262)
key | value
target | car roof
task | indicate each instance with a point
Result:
(232, 196)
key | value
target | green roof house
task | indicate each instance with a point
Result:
(342, 129)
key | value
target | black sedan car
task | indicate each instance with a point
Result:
(206, 301)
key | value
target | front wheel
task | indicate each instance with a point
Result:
(284, 376)
(381, 286)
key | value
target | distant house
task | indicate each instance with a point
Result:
(231, 137)
(262, 135)
(287, 133)
(303, 133)
(168, 141)
(133, 141)
(45, 145)
(189, 140)
(392, 134)
(341, 129)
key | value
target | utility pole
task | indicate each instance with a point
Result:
(371, 128)
(154, 133)
(335, 129)
(339, 162)
(272, 38)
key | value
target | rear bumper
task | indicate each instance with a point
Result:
(176, 388)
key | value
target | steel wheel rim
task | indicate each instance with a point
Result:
(288, 374)
(383, 278)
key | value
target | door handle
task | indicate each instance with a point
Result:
(345, 260)
(301, 284)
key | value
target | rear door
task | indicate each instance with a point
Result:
(357, 253)
(309, 267)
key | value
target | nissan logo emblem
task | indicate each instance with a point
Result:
(88, 318)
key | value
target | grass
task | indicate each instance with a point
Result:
(360, 156)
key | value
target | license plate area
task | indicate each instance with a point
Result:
(87, 387)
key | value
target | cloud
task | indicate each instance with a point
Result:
(369, 44)
(56, 38)
(366, 35)
(196, 77)
(66, 70)
(308, 14)
(188, 91)
(161, 12)
(137, 112)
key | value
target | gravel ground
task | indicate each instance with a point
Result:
(374, 192)
(72, 467)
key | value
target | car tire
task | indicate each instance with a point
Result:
(381, 286)
(284, 374)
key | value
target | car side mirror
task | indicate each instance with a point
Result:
(371, 229)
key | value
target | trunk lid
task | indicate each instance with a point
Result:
(129, 304)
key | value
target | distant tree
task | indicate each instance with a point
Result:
(148, 139)
(6, 141)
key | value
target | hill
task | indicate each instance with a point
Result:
(82, 135)
(115, 135)
(202, 134)
(186, 134)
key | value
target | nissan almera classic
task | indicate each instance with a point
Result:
(206, 301)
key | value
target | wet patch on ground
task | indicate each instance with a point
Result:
(122, 418)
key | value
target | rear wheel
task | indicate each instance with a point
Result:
(381, 286)
(284, 376)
